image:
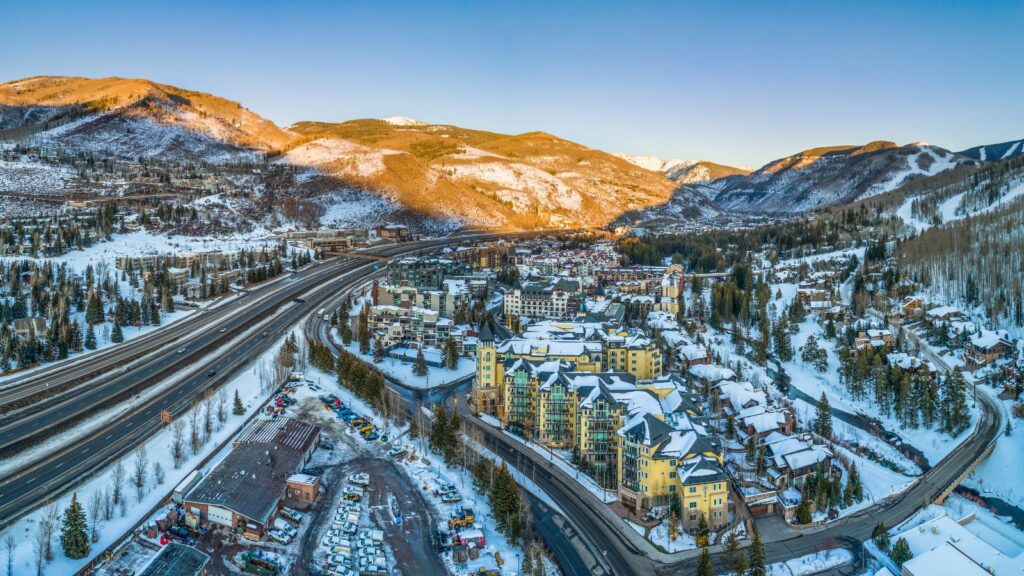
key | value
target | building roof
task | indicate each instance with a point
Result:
(252, 478)
(290, 432)
(176, 560)
(700, 470)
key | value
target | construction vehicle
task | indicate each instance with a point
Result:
(462, 518)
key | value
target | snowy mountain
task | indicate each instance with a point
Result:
(131, 118)
(481, 178)
(993, 152)
(684, 171)
(830, 176)
(438, 173)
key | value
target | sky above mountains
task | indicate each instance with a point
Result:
(736, 83)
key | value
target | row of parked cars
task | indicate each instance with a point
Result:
(351, 549)
(283, 531)
(355, 421)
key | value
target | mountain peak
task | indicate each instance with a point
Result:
(403, 121)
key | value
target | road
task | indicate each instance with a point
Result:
(60, 470)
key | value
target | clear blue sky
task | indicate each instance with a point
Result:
(739, 83)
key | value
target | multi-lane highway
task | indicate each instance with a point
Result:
(217, 343)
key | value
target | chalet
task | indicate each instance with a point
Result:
(944, 313)
(814, 298)
(911, 306)
(874, 338)
(911, 364)
(985, 347)
(27, 329)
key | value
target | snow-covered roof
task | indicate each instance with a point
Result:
(805, 458)
(711, 372)
(986, 339)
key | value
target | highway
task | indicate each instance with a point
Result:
(60, 470)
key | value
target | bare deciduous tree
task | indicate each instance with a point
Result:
(207, 419)
(139, 472)
(9, 543)
(222, 407)
(40, 542)
(48, 523)
(95, 509)
(108, 504)
(177, 443)
(193, 429)
(158, 473)
(117, 483)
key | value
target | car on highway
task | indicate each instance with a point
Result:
(211, 373)
(182, 350)
(223, 330)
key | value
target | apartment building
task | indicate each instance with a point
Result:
(395, 325)
(426, 273)
(454, 295)
(557, 299)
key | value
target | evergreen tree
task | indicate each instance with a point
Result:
(803, 511)
(364, 334)
(704, 567)
(856, 488)
(74, 537)
(90, 338)
(755, 557)
(735, 562)
(238, 409)
(116, 335)
(420, 368)
(451, 355)
(378, 351)
(823, 418)
(954, 401)
(901, 552)
(880, 536)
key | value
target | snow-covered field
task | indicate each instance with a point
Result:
(158, 450)
(402, 371)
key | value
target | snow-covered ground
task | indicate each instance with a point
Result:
(933, 444)
(103, 336)
(402, 371)
(144, 243)
(253, 395)
(1000, 474)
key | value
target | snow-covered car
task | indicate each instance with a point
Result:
(360, 479)
(292, 514)
(374, 534)
(349, 528)
(283, 526)
(280, 535)
(339, 560)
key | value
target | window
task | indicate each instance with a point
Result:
(692, 505)
(693, 489)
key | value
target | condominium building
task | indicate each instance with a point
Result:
(454, 295)
(549, 298)
(424, 273)
(394, 325)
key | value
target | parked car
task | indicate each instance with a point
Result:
(279, 535)
(360, 479)
(292, 514)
